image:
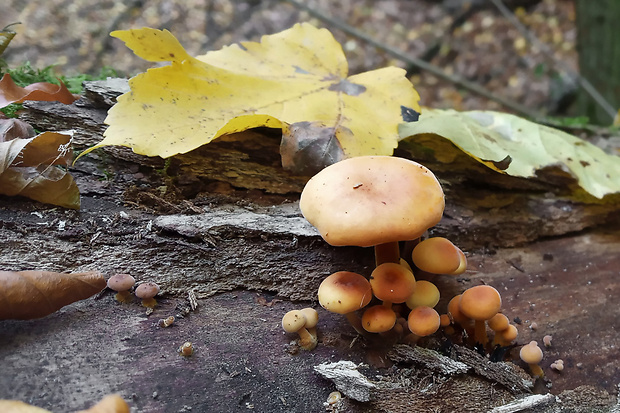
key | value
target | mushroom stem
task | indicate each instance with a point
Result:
(388, 252)
(480, 332)
(306, 340)
(356, 323)
(536, 370)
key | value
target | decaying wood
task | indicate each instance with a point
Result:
(222, 224)
(483, 207)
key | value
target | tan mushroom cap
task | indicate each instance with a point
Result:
(392, 282)
(344, 292)
(121, 282)
(509, 334)
(147, 290)
(426, 294)
(531, 353)
(378, 319)
(423, 321)
(293, 321)
(437, 255)
(370, 200)
(312, 317)
(499, 322)
(480, 302)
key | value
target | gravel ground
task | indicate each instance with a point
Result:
(479, 45)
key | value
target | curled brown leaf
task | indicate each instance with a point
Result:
(11, 93)
(33, 294)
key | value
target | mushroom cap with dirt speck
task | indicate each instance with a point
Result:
(423, 321)
(293, 321)
(480, 302)
(370, 200)
(392, 282)
(378, 319)
(344, 292)
(121, 282)
(147, 290)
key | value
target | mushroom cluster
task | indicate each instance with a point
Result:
(302, 322)
(381, 202)
(123, 283)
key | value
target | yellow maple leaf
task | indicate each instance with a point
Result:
(298, 75)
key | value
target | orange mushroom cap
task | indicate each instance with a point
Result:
(423, 321)
(344, 292)
(426, 294)
(437, 255)
(392, 282)
(480, 302)
(455, 311)
(499, 322)
(378, 319)
(462, 264)
(509, 334)
(371, 200)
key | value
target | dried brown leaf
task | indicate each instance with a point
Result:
(14, 128)
(27, 168)
(11, 93)
(33, 294)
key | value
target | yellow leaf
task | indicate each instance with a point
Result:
(298, 75)
(515, 146)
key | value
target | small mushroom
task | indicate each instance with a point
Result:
(480, 303)
(378, 319)
(186, 350)
(345, 292)
(532, 355)
(312, 319)
(392, 283)
(439, 255)
(375, 201)
(121, 283)
(457, 316)
(426, 294)
(558, 365)
(507, 336)
(147, 291)
(422, 321)
(295, 322)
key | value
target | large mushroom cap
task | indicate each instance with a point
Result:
(370, 200)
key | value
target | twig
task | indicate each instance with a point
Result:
(548, 53)
(399, 54)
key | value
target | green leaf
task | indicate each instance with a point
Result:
(517, 147)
